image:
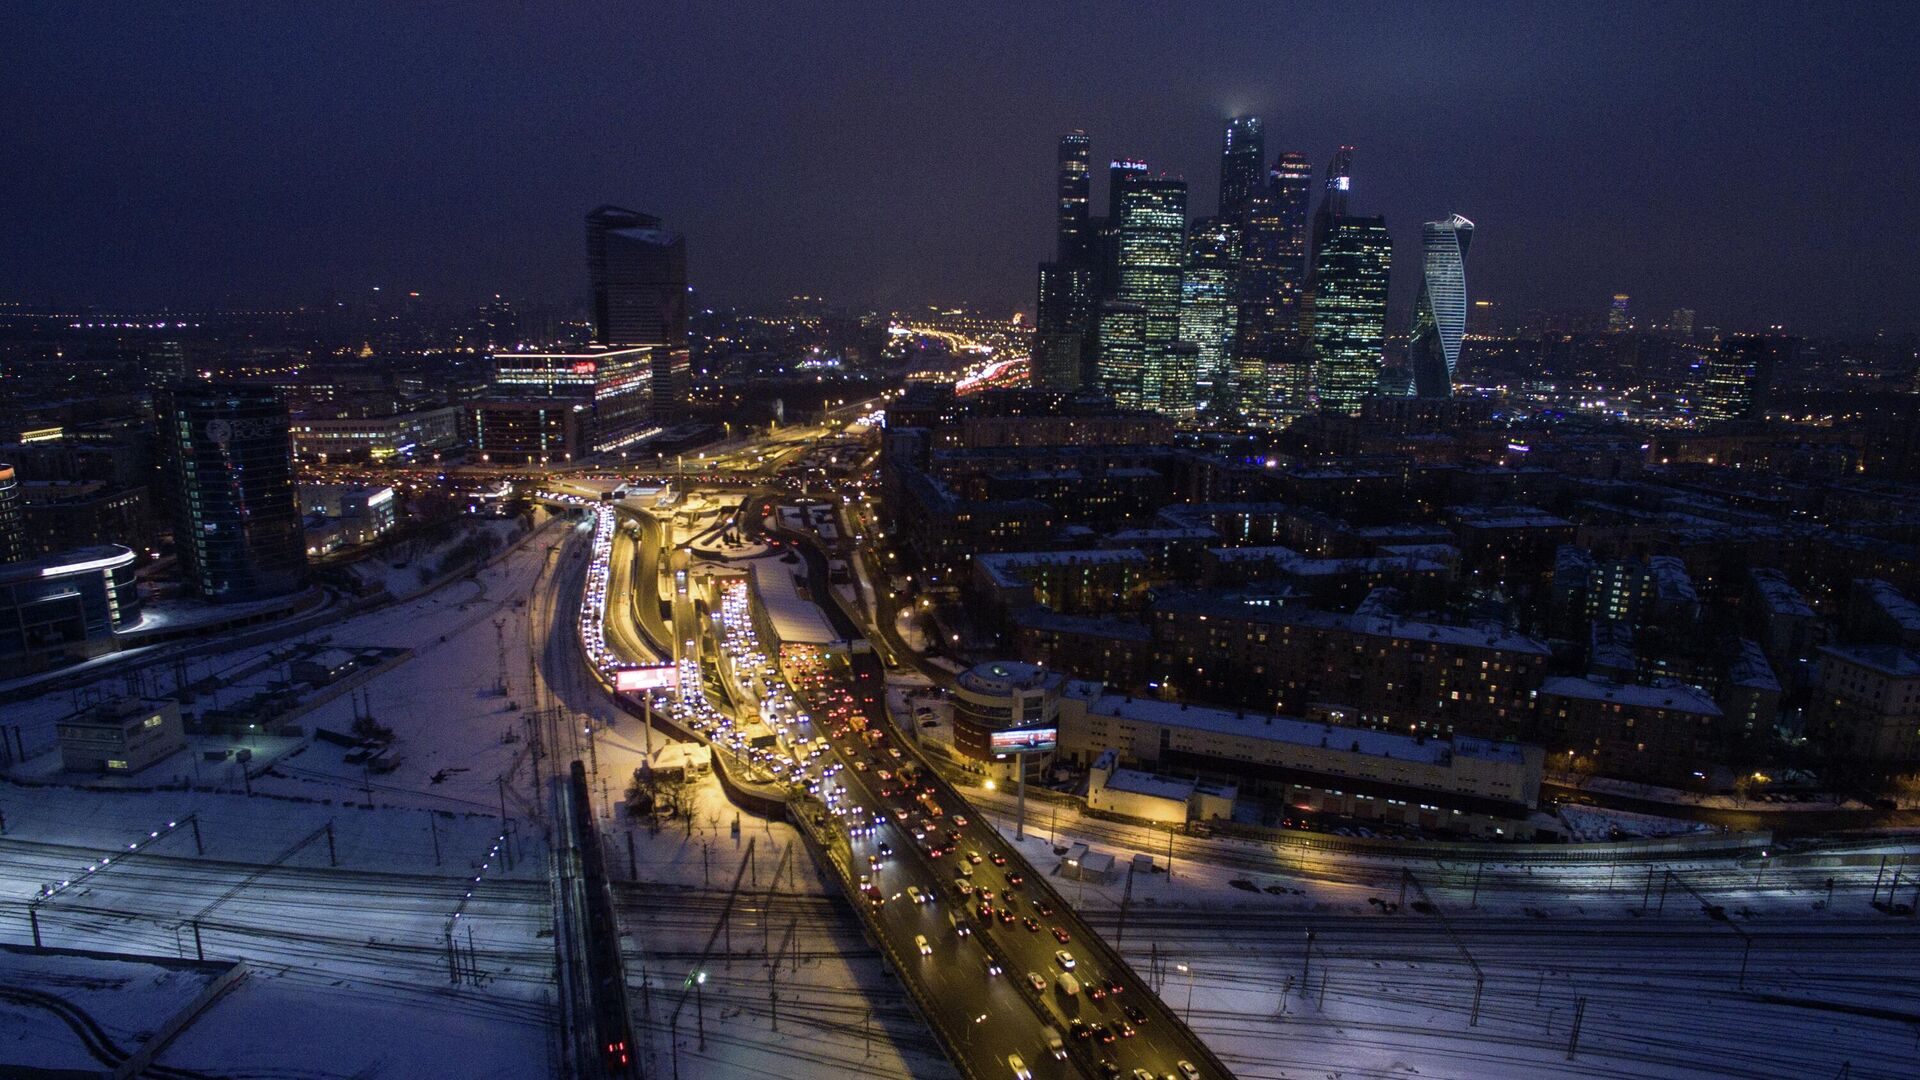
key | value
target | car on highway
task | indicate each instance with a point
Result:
(1126, 1030)
(973, 857)
(1187, 1070)
(1032, 924)
(1037, 981)
(1134, 1014)
(920, 942)
(1064, 959)
(914, 894)
(1019, 1067)
(1060, 934)
(997, 859)
(993, 966)
(1103, 1034)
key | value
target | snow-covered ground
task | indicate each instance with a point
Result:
(1389, 992)
(836, 1011)
(353, 973)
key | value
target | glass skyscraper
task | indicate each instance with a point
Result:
(1062, 322)
(1122, 366)
(1208, 291)
(1242, 153)
(228, 457)
(1344, 316)
(1075, 189)
(1440, 315)
(1153, 224)
(1273, 269)
(638, 274)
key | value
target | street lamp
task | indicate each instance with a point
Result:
(1188, 972)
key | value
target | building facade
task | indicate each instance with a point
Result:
(1344, 314)
(227, 455)
(1440, 314)
(637, 271)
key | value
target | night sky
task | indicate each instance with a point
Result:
(1759, 163)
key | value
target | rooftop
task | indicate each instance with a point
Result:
(1677, 698)
(1383, 744)
(795, 619)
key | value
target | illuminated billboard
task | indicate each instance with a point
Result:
(656, 677)
(1023, 741)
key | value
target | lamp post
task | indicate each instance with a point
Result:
(1188, 972)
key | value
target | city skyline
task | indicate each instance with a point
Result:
(311, 158)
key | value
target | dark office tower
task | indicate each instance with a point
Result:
(638, 273)
(1208, 312)
(1076, 188)
(1242, 154)
(13, 525)
(1153, 228)
(1333, 197)
(1739, 376)
(1273, 269)
(1344, 316)
(164, 362)
(1062, 321)
(1440, 315)
(228, 462)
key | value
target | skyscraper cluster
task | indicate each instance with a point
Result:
(1266, 309)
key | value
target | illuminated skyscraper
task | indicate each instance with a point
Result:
(1345, 311)
(1062, 323)
(1739, 376)
(1122, 366)
(1618, 319)
(638, 274)
(1153, 224)
(1075, 188)
(1273, 270)
(1242, 153)
(1440, 315)
(1208, 290)
(1176, 379)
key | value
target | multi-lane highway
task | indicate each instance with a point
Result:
(1005, 967)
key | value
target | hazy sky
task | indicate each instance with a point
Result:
(1758, 162)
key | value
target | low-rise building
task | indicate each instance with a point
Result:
(123, 735)
(1866, 712)
(1656, 734)
(1463, 784)
(63, 608)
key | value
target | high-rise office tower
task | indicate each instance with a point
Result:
(1345, 311)
(1682, 323)
(1122, 365)
(1153, 223)
(1062, 324)
(1208, 291)
(1242, 154)
(1440, 315)
(227, 456)
(1273, 270)
(13, 524)
(1619, 320)
(638, 273)
(1075, 188)
(1333, 197)
(1739, 375)
(1119, 172)
(1177, 379)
